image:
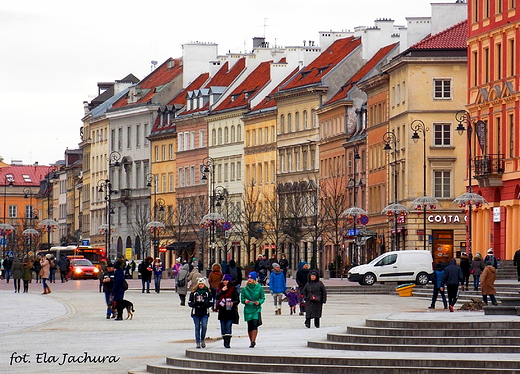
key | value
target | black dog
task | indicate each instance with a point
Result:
(128, 305)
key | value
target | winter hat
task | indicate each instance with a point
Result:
(110, 265)
(227, 277)
(178, 259)
(490, 251)
(293, 288)
(48, 255)
(275, 265)
(201, 280)
(252, 275)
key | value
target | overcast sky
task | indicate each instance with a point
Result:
(53, 53)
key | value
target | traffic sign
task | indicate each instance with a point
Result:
(85, 242)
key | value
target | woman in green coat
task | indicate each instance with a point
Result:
(252, 296)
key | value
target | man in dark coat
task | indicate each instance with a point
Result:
(516, 262)
(64, 264)
(452, 278)
(118, 292)
(315, 296)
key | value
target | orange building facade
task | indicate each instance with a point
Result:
(493, 115)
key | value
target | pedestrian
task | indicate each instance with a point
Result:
(465, 267)
(45, 272)
(214, 278)
(491, 257)
(476, 269)
(175, 267)
(516, 262)
(157, 274)
(273, 260)
(145, 268)
(118, 292)
(437, 280)
(200, 301)
(101, 274)
(227, 307)
(487, 281)
(63, 265)
(192, 277)
(36, 268)
(52, 268)
(284, 264)
(7, 263)
(27, 274)
(293, 299)
(302, 276)
(252, 296)
(277, 286)
(108, 287)
(452, 278)
(257, 263)
(224, 267)
(236, 274)
(132, 268)
(17, 274)
(315, 296)
(181, 283)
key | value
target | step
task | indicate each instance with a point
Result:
(443, 324)
(510, 301)
(424, 340)
(501, 310)
(383, 331)
(413, 348)
(369, 360)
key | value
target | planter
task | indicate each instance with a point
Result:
(405, 290)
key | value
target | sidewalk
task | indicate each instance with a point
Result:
(71, 321)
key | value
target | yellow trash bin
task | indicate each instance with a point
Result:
(405, 290)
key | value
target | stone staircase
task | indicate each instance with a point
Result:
(389, 346)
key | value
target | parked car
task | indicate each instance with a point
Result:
(81, 268)
(397, 266)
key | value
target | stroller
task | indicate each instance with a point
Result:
(262, 276)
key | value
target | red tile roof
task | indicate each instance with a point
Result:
(164, 74)
(24, 175)
(225, 77)
(361, 73)
(245, 91)
(268, 101)
(325, 62)
(454, 37)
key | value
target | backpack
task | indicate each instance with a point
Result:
(181, 282)
(125, 285)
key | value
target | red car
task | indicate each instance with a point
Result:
(81, 268)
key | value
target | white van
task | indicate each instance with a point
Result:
(397, 266)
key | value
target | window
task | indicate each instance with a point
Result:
(403, 94)
(145, 135)
(156, 151)
(170, 151)
(226, 135)
(120, 139)
(192, 175)
(498, 61)
(282, 124)
(180, 142)
(289, 122)
(201, 138)
(442, 134)
(266, 135)
(170, 180)
(138, 136)
(297, 121)
(164, 185)
(29, 211)
(441, 89)
(239, 170)
(305, 120)
(232, 171)
(239, 133)
(213, 137)
(129, 137)
(233, 135)
(186, 141)
(13, 211)
(163, 148)
(192, 139)
(442, 184)
(180, 177)
(113, 140)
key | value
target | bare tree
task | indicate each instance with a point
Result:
(142, 217)
(334, 201)
(247, 222)
(273, 217)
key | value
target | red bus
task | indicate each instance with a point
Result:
(94, 254)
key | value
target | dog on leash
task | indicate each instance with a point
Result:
(128, 305)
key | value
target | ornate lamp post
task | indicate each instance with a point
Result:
(468, 200)
(209, 221)
(5, 228)
(30, 232)
(423, 202)
(395, 209)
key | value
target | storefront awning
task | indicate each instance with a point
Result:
(180, 246)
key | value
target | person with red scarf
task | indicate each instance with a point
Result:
(227, 305)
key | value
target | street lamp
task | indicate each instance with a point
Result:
(423, 202)
(105, 186)
(354, 213)
(30, 232)
(212, 219)
(395, 209)
(5, 228)
(467, 200)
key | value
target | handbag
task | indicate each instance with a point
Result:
(472, 271)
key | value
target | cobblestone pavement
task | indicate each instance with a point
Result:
(57, 333)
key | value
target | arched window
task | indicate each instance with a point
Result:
(233, 138)
(220, 135)
(282, 124)
(239, 133)
(297, 121)
(213, 137)
(289, 122)
(305, 120)
(226, 135)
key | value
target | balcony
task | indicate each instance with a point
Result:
(489, 170)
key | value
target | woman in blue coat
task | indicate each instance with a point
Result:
(118, 292)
